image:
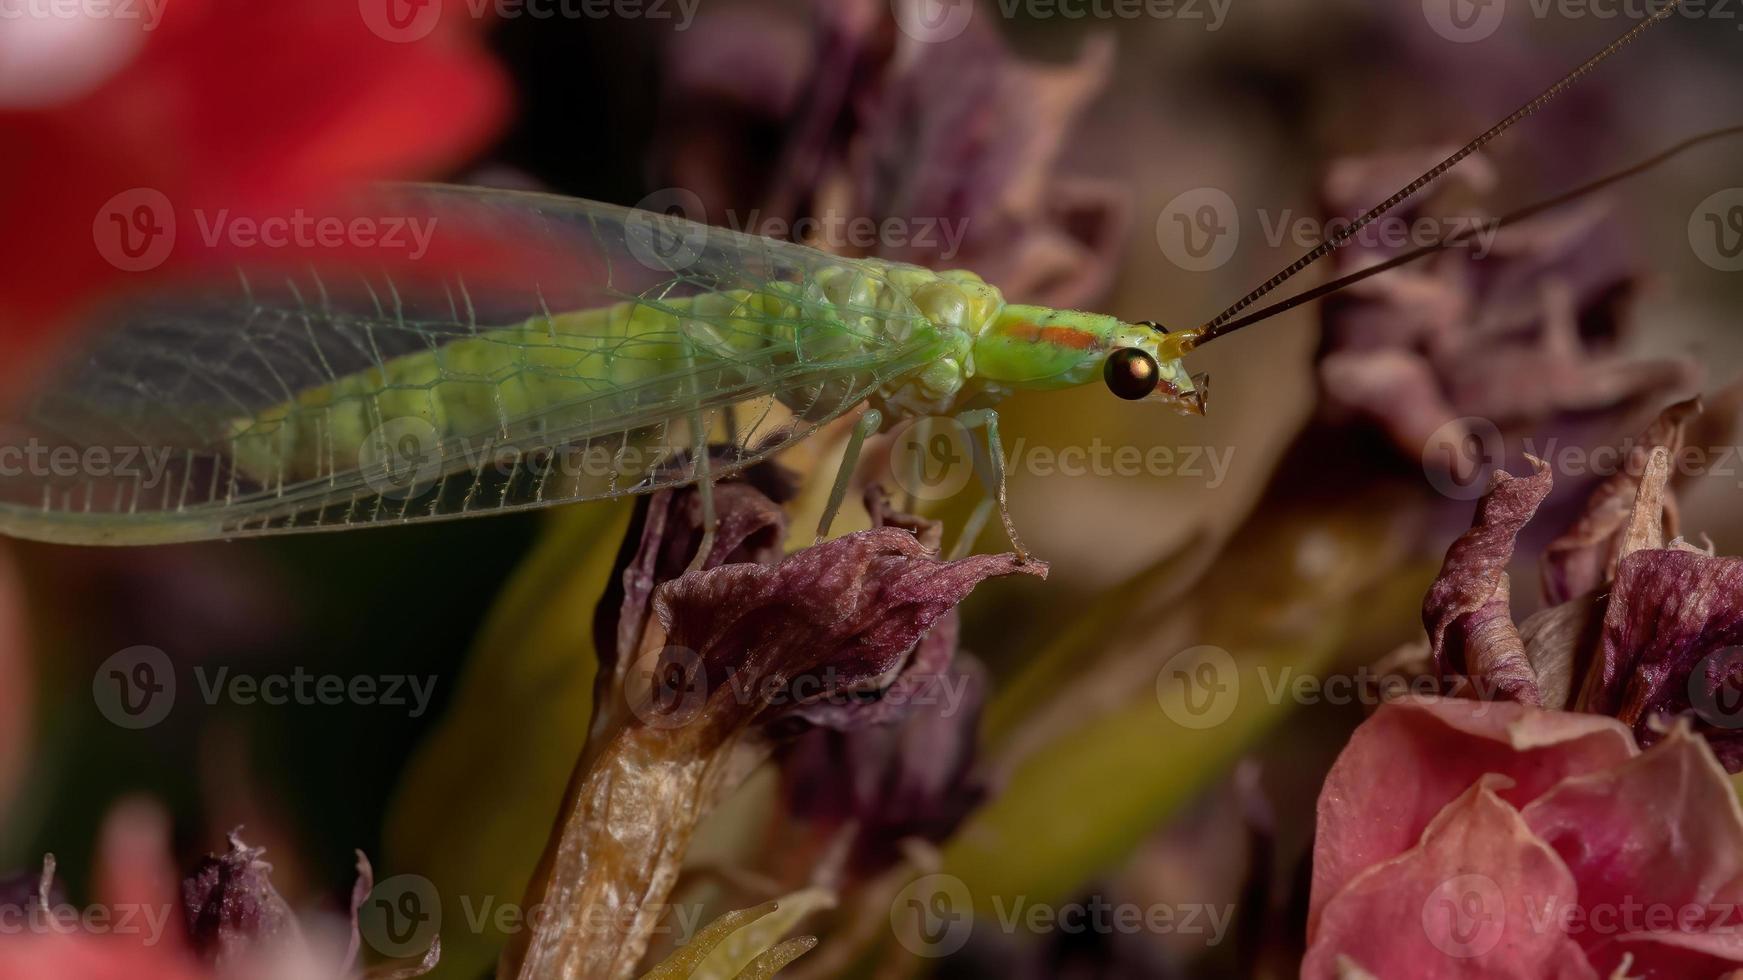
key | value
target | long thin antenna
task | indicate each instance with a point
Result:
(1487, 227)
(1216, 327)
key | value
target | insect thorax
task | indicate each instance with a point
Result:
(958, 305)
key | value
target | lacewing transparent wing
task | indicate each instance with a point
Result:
(545, 350)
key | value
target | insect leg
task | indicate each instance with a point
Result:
(732, 428)
(704, 464)
(996, 451)
(705, 486)
(867, 425)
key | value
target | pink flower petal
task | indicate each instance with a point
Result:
(1469, 901)
(1662, 830)
(1674, 955)
(1415, 755)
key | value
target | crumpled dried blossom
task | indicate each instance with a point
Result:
(907, 775)
(232, 908)
(1524, 336)
(1648, 640)
(706, 669)
(233, 922)
(1469, 613)
(1460, 838)
(986, 129)
(239, 925)
(1580, 559)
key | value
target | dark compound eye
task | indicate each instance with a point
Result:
(1131, 374)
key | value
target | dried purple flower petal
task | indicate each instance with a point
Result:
(884, 514)
(662, 541)
(1467, 611)
(840, 616)
(1521, 337)
(233, 912)
(1674, 620)
(910, 777)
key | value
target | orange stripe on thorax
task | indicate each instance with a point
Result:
(1068, 337)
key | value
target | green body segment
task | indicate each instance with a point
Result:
(505, 376)
(501, 377)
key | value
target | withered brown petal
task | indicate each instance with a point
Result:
(233, 912)
(1580, 559)
(1561, 642)
(841, 616)
(1670, 647)
(1467, 613)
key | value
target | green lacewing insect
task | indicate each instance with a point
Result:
(648, 352)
